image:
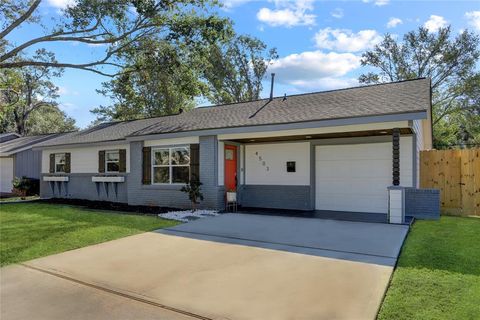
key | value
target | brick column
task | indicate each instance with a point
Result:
(396, 157)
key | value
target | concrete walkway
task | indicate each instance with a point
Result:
(179, 275)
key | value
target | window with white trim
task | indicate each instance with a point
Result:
(171, 165)
(60, 162)
(112, 161)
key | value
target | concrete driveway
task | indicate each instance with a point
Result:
(229, 267)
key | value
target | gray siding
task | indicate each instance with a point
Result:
(81, 186)
(28, 163)
(277, 197)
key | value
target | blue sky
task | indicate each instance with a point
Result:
(319, 42)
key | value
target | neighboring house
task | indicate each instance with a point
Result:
(8, 136)
(17, 159)
(336, 150)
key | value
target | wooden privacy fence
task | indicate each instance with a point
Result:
(457, 174)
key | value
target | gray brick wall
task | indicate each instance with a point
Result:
(213, 194)
(80, 186)
(277, 197)
(170, 195)
(422, 203)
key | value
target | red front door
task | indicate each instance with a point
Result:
(230, 167)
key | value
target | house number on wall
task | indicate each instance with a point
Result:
(262, 161)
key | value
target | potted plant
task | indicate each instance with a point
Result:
(193, 191)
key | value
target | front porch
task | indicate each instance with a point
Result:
(339, 173)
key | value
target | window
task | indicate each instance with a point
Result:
(112, 161)
(60, 162)
(171, 165)
(291, 166)
(229, 154)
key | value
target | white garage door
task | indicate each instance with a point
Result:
(6, 174)
(353, 177)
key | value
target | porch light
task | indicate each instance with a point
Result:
(252, 140)
(383, 132)
(308, 137)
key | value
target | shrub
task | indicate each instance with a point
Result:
(25, 186)
(193, 191)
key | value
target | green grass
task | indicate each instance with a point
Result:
(12, 199)
(33, 230)
(438, 273)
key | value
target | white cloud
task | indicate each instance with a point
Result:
(61, 4)
(337, 13)
(325, 84)
(393, 22)
(435, 22)
(63, 91)
(68, 106)
(313, 66)
(345, 40)
(229, 4)
(378, 3)
(288, 13)
(473, 18)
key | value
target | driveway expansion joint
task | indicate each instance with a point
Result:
(117, 293)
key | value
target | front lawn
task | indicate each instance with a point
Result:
(33, 230)
(15, 199)
(438, 273)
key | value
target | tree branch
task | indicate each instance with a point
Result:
(20, 19)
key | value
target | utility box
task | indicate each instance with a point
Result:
(396, 204)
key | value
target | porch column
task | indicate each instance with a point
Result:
(396, 157)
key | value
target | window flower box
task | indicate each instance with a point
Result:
(108, 179)
(56, 178)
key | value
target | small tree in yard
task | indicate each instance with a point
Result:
(193, 191)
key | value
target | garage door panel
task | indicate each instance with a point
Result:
(333, 186)
(361, 151)
(357, 203)
(353, 177)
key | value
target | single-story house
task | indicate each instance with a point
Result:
(336, 150)
(17, 159)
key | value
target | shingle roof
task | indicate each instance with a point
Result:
(8, 136)
(383, 99)
(13, 146)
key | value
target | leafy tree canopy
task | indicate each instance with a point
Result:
(165, 77)
(28, 102)
(236, 69)
(451, 62)
(117, 25)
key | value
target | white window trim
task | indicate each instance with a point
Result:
(65, 164)
(107, 161)
(169, 166)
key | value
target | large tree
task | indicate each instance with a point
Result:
(116, 25)
(28, 101)
(164, 77)
(236, 69)
(451, 62)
